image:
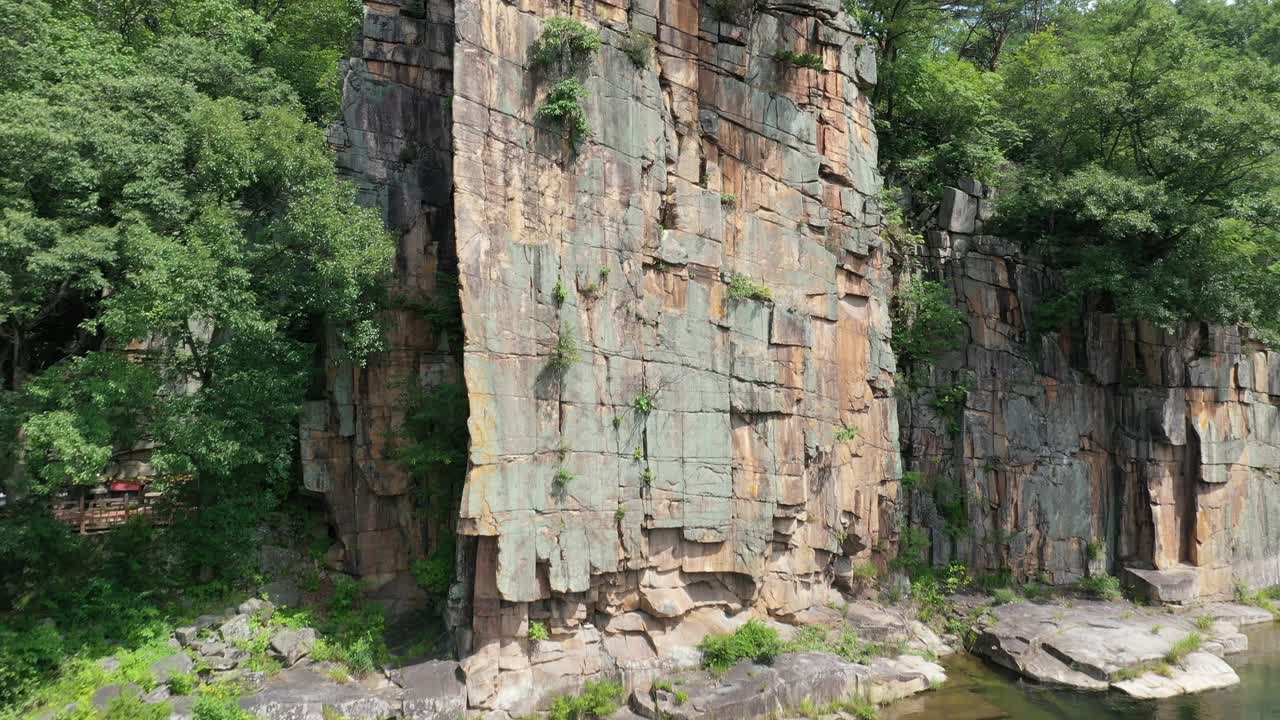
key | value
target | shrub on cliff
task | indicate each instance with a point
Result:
(752, 641)
(565, 43)
(925, 323)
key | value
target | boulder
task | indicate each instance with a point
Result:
(158, 695)
(283, 592)
(256, 607)
(167, 667)
(293, 645)
(434, 690)
(237, 629)
(104, 696)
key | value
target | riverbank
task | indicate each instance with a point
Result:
(979, 690)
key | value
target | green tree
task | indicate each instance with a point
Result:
(1149, 164)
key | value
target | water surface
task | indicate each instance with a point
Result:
(975, 690)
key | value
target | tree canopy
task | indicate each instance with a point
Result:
(174, 243)
(1135, 140)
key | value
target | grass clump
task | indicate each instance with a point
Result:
(1204, 623)
(847, 433)
(1103, 587)
(802, 60)
(598, 699)
(1095, 549)
(538, 631)
(1003, 596)
(182, 683)
(563, 107)
(728, 199)
(753, 641)
(561, 480)
(638, 47)
(1183, 648)
(1134, 672)
(859, 708)
(643, 403)
(743, 287)
(1258, 598)
(565, 353)
(566, 43)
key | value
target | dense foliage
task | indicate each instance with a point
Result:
(1136, 140)
(174, 246)
(172, 241)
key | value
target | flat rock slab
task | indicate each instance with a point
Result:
(302, 693)
(1198, 672)
(1087, 644)
(748, 690)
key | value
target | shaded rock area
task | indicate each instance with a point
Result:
(1092, 645)
(1063, 446)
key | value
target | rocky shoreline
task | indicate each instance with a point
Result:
(1144, 652)
(838, 662)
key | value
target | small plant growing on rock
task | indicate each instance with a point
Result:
(1095, 549)
(743, 287)
(638, 453)
(538, 631)
(182, 683)
(599, 699)
(565, 353)
(1003, 596)
(561, 480)
(753, 641)
(643, 403)
(730, 11)
(847, 433)
(803, 60)
(638, 47)
(1103, 587)
(647, 476)
(566, 43)
(1183, 648)
(619, 514)
(563, 106)
(925, 323)
(1204, 623)
(728, 199)
(559, 293)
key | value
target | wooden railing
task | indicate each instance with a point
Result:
(93, 515)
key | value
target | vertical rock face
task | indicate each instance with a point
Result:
(1159, 447)
(394, 144)
(649, 448)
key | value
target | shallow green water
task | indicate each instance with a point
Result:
(977, 691)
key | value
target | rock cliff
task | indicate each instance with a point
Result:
(676, 350)
(1109, 446)
(682, 395)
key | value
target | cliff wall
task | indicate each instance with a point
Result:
(1158, 447)
(684, 465)
(651, 452)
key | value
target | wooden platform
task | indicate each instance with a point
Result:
(102, 514)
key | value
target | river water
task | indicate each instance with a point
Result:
(975, 690)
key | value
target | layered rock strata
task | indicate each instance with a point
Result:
(1110, 446)
(676, 332)
(676, 349)
(394, 143)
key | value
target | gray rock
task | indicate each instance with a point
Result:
(433, 690)
(186, 635)
(256, 607)
(167, 667)
(293, 645)
(283, 592)
(1087, 645)
(237, 629)
(109, 664)
(158, 695)
(182, 708)
(104, 696)
(958, 211)
(1197, 672)
(303, 694)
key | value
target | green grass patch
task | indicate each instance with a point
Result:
(1183, 648)
(743, 287)
(598, 699)
(753, 641)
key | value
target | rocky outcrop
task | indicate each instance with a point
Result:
(1097, 645)
(1109, 446)
(652, 450)
(394, 143)
(648, 447)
